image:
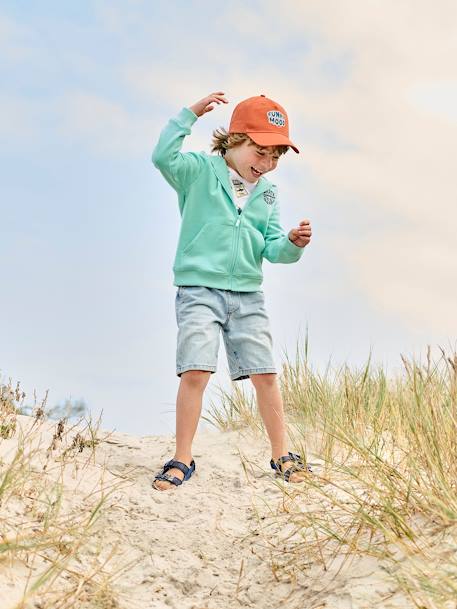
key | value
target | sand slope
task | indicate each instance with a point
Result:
(210, 544)
(204, 546)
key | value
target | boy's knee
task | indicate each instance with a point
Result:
(196, 377)
(267, 378)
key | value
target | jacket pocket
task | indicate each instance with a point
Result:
(249, 261)
(192, 242)
(210, 249)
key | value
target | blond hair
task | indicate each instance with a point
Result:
(222, 141)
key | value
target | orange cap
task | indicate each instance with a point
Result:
(264, 120)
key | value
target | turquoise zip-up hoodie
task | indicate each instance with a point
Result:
(219, 247)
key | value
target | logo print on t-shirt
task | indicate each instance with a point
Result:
(269, 197)
(240, 188)
(276, 118)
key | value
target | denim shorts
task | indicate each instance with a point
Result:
(201, 313)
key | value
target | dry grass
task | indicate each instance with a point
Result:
(234, 411)
(51, 554)
(388, 483)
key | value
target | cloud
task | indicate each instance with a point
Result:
(438, 98)
(19, 119)
(370, 90)
(395, 111)
(408, 276)
(16, 41)
(105, 127)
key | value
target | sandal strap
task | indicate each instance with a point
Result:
(285, 458)
(290, 470)
(296, 458)
(290, 457)
(178, 465)
(296, 466)
(173, 479)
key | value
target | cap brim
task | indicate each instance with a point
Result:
(271, 139)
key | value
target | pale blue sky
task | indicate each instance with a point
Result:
(88, 227)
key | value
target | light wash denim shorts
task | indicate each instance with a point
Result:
(201, 313)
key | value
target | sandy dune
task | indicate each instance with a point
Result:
(212, 543)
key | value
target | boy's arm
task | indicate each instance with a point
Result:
(278, 247)
(179, 169)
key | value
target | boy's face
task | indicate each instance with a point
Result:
(248, 158)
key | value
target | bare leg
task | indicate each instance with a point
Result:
(269, 402)
(188, 410)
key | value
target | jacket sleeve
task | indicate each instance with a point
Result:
(179, 169)
(278, 247)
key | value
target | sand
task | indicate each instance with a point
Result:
(210, 544)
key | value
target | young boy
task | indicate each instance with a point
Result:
(230, 222)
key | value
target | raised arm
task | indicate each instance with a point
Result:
(178, 168)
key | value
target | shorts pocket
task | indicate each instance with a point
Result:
(184, 290)
(256, 298)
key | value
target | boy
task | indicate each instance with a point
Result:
(230, 222)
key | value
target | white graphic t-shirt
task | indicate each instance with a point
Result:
(241, 188)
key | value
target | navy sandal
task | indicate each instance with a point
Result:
(186, 470)
(297, 465)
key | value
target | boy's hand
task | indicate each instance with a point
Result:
(301, 236)
(204, 105)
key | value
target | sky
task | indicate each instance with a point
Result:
(89, 227)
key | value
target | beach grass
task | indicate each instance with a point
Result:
(386, 482)
(49, 544)
(383, 488)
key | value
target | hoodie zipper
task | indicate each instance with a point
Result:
(235, 253)
(238, 211)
